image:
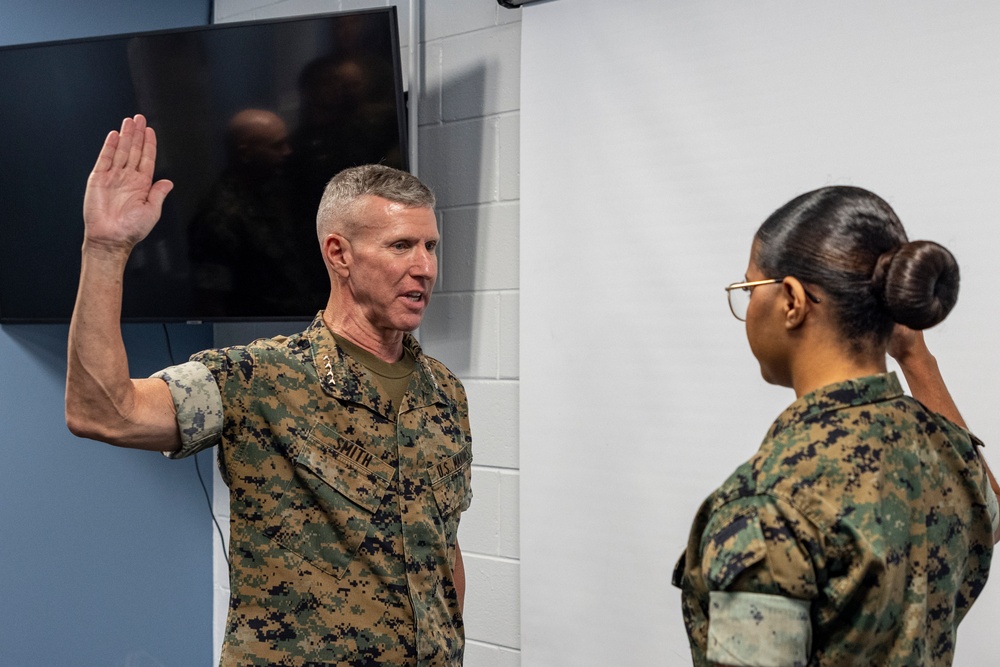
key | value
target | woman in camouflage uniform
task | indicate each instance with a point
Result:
(861, 531)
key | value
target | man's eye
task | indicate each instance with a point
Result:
(747, 289)
(400, 245)
(432, 246)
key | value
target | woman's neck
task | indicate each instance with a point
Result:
(824, 362)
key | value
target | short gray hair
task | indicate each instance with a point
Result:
(337, 207)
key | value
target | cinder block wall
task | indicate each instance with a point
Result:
(468, 152)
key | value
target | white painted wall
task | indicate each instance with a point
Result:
(468, 145)
(657, 136)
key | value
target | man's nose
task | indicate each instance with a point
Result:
(424, 262)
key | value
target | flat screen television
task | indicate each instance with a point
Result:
(252, 120)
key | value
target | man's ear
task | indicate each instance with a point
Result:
(795, 302)
(337, 254)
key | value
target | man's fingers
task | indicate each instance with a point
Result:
(147, 160)
(132, 147)
(136, 149)
(125, 136)
(159, 192)
(105, 157)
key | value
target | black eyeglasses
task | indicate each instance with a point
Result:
(739, 296)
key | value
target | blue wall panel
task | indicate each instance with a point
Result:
(105, 553)
(24, 21)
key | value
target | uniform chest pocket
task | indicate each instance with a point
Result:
(451, 482)
(326, 511)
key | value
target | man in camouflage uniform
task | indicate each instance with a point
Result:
(859, 534)
(346, 449)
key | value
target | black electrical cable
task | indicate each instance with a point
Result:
(208, 499)
(197, 466)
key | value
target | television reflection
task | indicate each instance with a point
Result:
(253, 244)
(252, 120)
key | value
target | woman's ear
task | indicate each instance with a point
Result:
(796, 304)
(337, 254)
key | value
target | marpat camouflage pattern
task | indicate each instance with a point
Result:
(859, 534)
(344, 518)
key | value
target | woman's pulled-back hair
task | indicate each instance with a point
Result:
(849, 242)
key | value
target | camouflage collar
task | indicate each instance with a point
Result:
(859, 391)
(345, 379)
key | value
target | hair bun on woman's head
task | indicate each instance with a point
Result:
(918, 283)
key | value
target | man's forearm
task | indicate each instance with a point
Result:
(102, 402)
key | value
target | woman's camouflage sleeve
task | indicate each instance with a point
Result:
(760, 580)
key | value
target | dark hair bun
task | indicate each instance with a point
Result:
(918, 283)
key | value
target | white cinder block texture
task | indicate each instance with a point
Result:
(460, 161)
(480, 248)
(461, 330)
(510, 335)
(479, 531)
(257, 11)
(220, 493)
(220, 567)
(510, 513)
(509, 138)
(490, 526)
(351, 5)
(492, 600)
(482, 73)
(226, 9)
(486, 655)
(493, 414)
(442, 18)
(244, 10)
(220, 607)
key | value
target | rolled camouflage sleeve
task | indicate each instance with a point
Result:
(760, 584)
(758, 630)
(199, 406)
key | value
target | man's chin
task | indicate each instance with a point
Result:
(407, 325)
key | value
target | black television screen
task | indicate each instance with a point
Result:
(252, 119)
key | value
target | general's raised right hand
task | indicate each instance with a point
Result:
(122, 203)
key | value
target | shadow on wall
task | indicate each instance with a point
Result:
(458, 159)
(45, 344)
